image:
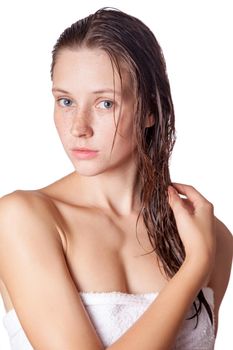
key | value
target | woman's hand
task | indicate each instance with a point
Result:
(194, 217)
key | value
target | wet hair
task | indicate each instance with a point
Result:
(129, 42)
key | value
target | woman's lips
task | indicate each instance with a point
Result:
(84, 153)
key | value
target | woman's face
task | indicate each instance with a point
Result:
(84, 110)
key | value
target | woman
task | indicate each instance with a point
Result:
(74, 276)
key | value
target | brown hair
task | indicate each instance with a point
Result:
(126, 39)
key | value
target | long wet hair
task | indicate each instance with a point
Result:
(129, 41)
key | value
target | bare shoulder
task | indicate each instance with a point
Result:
(220, 274)
(29, 207)
(22, 215)
(22, 200)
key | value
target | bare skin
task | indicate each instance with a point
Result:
(218, 279)
(114, 234)
(94, 209)
(132, 273)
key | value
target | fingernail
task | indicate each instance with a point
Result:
(172, 190)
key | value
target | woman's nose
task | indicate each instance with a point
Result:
(81, 127)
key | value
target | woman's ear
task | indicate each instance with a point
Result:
(150, 120)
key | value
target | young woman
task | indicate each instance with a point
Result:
(111, 256)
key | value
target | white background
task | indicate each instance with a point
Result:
(196, 37)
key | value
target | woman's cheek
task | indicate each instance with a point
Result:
(126, 126)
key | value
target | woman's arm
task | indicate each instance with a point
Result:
(221, 272)
(158, 327)
(34, 270)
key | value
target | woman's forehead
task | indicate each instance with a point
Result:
(92, 65)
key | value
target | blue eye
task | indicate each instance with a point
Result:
(65, 104)
(107, 104)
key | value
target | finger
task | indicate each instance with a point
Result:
(190, 192)
(172, 192)
(174, 199)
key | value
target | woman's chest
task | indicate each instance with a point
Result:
(104, 254)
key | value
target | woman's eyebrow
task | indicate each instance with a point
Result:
(106, 90)
(93, 92)
(59, 90)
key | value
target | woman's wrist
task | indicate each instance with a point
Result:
(199, 268)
